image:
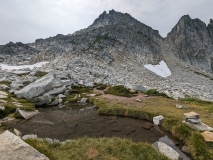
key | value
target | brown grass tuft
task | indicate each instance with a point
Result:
(91, 153)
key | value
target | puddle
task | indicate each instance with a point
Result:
(75, 121)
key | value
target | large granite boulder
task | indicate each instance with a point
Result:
(13, 148)
(39, 87)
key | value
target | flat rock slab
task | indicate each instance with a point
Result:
(21, 72)
(192, 120)
(27, 114)
(147, 125)
(191, 115)
(208, 136)
(13, 148)
(199, 126)
(168, 151)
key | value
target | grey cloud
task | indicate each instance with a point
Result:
(27, 20)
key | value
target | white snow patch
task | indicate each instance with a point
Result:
(160, 69)
(7, 67)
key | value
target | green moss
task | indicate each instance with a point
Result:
(79, 89)
(196, 100)
(8, 110)
(120, 91)
(154, 92)
(40, 73)
(5, 82)
(104, 37)
(101, 86)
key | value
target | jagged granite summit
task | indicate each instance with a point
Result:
(115, 48)
(192, 41)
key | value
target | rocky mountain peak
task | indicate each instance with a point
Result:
(113, 17)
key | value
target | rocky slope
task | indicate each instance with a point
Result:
(114, 50)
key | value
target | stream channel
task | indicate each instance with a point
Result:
(75, 121)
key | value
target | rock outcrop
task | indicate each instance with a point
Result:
(192, 41)
(39, 87)
(12, 147)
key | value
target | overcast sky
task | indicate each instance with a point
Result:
(27, 20)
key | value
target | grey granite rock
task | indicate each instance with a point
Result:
(12, 147)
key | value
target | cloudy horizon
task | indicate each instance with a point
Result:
(28, 20)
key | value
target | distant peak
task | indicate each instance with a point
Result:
(185, 17)
(113, 17)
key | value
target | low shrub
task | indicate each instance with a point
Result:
(79, 89)
(120, 90)
(40, 73)
(154, 92)
(101, 86)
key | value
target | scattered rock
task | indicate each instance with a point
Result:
(91, 95)
(186, 150)
(29, 136)
(17, 132)
(61, 96)
(191, 115)
(168, 151)
(157, 120)
(179, 106)
(208, 136)
(198, 120)
(138, 100)
(5, 87)
(83, 100)
(147, 125)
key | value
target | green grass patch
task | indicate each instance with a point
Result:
(101, 86)
(172, 122)
(196, 100)
(154, 92)
(40, 73)
(7, 83)
(72, 98)
(120, 90)
(97, 148)
(79, 89)
(8, 110)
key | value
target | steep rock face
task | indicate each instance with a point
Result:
(191, 41)
(110, 37)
